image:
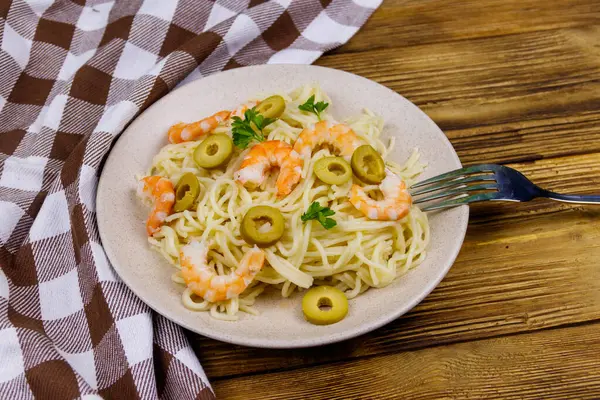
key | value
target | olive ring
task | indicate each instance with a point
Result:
(213, 151)
(333, 170)
(271, 107)
(186, 192)
(324, 305)
(262, 226)
(368, 165)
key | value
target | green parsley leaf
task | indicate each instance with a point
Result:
(311, 107)
(242, 133)
(321, 106)
(315, 211)
(250, 128)
(312, 211)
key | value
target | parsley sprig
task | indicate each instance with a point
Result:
(315, 211)
(250, 128)
(311, 107)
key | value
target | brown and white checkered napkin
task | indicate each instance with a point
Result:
(72, 75)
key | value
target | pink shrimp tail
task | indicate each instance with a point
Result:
(182, 132)
(162, 192)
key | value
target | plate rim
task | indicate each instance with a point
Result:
(292, 342)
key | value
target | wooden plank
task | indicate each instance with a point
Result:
(526, 140)
(554, 364)
(520, 270)
(403, 23)
(502, 99)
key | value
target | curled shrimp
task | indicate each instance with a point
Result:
(338, 135)
(204, 281)
(184, 132)
(269, 154)
(395, 205)
(161, 191)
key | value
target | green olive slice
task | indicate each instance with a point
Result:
(271, 107)
(186, 192)
(333, 170)
(262, 225)
(324, 305)
(213, 151)
(368, 165)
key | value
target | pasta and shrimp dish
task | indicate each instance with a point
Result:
(279, 195)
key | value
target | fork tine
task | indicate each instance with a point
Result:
(451, 183)
(457, 191)
(462, 200)
(454, 174)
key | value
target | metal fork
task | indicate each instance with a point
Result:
(484, 182)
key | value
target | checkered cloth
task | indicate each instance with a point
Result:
(72, 75)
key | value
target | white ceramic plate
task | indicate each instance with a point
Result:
(281, 324)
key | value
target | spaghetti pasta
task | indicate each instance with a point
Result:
(354, 256)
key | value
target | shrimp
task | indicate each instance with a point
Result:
(239, 112)
(161, 191)
(184, 132)
(338, 135)
(266, 155)
(395, 205)
(204, 281)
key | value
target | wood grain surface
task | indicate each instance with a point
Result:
(518, 315)
(553, 364)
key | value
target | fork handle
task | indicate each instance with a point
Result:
(572, 198)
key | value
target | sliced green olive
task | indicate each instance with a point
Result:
(333, 170)
(271, 107)
(324, 305)
(368, 165)
(186, 192)
(214, 151)
(262, 225)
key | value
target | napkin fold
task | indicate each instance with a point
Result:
(73, 74)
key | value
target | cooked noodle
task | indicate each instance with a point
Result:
(353, 256)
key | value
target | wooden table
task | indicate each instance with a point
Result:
(515, 82)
